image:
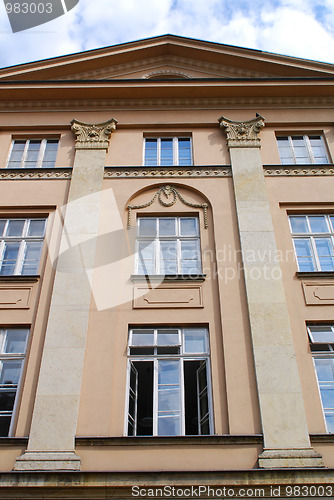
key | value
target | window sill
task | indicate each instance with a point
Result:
(224, 439)
(163, 278)
(27, 278)
(315, 274)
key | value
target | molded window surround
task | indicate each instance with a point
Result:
(313, 241)
(322, 347)
(169, 388)
(167, 151)
(302, 149)
(33, 153)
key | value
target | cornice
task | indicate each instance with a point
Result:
(42, 174)
(179, 62)
(183, 103)
(166, 172)
(296, 171)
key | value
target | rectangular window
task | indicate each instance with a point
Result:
(322, 347)
(313, 241)
(33, 153)
(13, 343)
(168, 246)
(169, 383)
(167, 151)
(21, 243)
(302, 149)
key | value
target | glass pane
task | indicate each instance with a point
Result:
(184, 151)
(167, 226)
(50, 154)
(15, 227)
(189, 226)
(168, 250)
(195, 340)
(318, 224)
(9, 258)
(169, 426)
(330, 422)
(166, 153)
(325, 253)
(325, 369)
(304, 254)
(323, 334)
(151, 152)
(146, 250)
(169, 399)
(285, 150)
(2, 226)
(327, 396)
(16, 154)
(142, 337)
(146, 267)
(298, 224)
(32, 154)
(190, 267)
(7, 399)
(13, 341)
(10, 371)
(300, 150)
(4, 426)
(36, 227)
(169, 372)
(189, 250)
(31, 257)
(168, 337)
(147, 227)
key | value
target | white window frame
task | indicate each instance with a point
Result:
(17, 388)
(325, 354)
(177, 237)
(40, 158)
(311, 236)
(306, 139)
(175, 140)
(181, 356)
(23, 240)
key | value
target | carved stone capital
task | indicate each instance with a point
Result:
(242, 134)
(92, 136)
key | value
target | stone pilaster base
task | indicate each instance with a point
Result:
(300, 457)
(48, 461)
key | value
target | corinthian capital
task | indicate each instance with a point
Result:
(92, 136)
(243, 134)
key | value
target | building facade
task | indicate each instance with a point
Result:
(167, 274)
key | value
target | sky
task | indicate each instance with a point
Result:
(299, 28)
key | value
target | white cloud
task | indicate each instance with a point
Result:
(302, 28)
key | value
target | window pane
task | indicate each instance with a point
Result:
(32, 154)
(169, 399)
(330, 421)
(151, 152)
(146, 250)
(168, 337)
(304, 254)
(142, 337)
(31, 257)
(189, 226)
(168, 250)
(10, 372)
(15, 227)
(323, 334)
(166, 153)
(169, 372)
(13, 341)
(327, 396)
(184, 151)
(147, 227)
(36, 227)
(16, 154)
(167, 226)
(2, 226)
(325, 369)
(50, 154)
(169, 426)
(318, 224)
(195, 340)
(298, 224)
(325, 253)
(190, 267)
(7, 400)
(9, 258)
(4, 425)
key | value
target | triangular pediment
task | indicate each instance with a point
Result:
(167, 57)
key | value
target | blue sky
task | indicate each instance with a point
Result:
(300, 28)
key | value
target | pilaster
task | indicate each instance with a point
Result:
(54, 421)
(286, 437)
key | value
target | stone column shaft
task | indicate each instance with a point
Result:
(53, 429)
(285, 432)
